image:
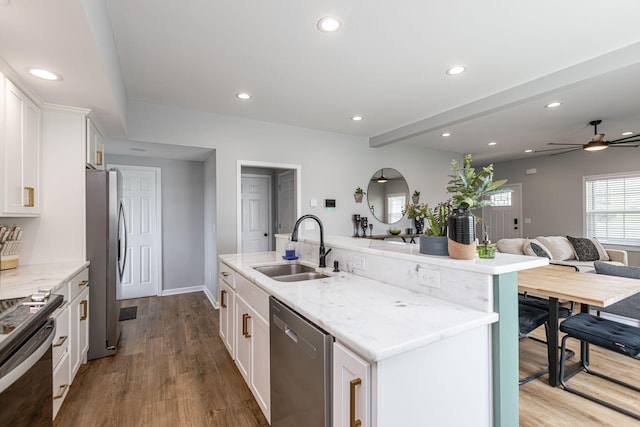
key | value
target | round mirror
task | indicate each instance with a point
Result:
(387, 195)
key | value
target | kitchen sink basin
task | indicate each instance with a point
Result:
(290, 272)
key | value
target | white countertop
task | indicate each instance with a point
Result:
(502, 263)
(374, 319)
(27, 279)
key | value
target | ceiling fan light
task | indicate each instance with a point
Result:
(595, 146)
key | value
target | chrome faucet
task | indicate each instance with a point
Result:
(294, 237)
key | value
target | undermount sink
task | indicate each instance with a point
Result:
(290, 272)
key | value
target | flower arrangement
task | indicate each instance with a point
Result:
(416, 211)
(437, 218)
(469, 187)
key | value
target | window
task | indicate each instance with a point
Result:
(396, 205)
(502, 198)
(612, 208)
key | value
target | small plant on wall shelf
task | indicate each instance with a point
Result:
(415, 198)
(358, 194)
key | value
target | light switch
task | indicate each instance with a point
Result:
(527, 220)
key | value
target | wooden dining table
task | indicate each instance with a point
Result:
(564, 283)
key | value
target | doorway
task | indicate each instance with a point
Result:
(504, 215)
(141, 195)
(268, 196)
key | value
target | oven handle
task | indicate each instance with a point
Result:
(44, 344)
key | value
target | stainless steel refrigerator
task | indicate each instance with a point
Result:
(106, 249)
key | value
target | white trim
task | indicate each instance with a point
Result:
(253, 163)
(192, 289)
(158, 228)
(269, 179)
(211, 298)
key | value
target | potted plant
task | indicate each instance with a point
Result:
(359, 193)
(415, 198)
(417, 213)
(468, 188)
(435, 240)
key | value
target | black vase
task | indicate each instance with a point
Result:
(462, 226)
(419, 225)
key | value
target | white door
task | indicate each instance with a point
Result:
(286, 201)
(140, 195)
(504, 215)
(256, 213)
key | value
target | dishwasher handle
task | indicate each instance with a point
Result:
(305, 345)
(279, 323)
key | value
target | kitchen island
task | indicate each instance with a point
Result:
(430, 349)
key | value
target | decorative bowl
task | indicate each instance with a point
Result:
(394, 231)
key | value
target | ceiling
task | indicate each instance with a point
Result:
(387, 63)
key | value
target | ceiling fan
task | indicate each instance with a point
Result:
(597, 143)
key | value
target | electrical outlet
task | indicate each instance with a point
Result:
(358, 263)
(429, 278)
(309, 225)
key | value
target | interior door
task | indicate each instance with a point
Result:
(286, 201)
(504, 215)
(256, 213)
(141, 272)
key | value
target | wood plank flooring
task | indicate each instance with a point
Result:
(172, 369)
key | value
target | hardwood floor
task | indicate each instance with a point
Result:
(172, 369)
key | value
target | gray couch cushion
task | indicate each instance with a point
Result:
(628, 307)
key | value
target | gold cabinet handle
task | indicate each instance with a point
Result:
(99, 160)
(225, 274)
(31, 197)
(85, 309)
(61, 391)
(60, 341)
(222, 301)
(245, 328)
(352, 404)
(83, 283)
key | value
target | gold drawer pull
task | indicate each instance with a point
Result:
(85, 309)
(222, 301)
(83, 283)
(352, 405)
(31, 197)
(61, 391)
(99, 156)
(225, 274)
(61, 341)
(245, 327)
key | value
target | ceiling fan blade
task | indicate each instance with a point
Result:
(556, 149)
(559, 143)
(623, 146)
(630, 138)
(567, 151)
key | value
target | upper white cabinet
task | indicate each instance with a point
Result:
(20, 145)
(95, 145)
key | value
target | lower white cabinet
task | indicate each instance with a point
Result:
(60, 352)
(351, 389)
(61, 380)
(227, 310)
(79, 310)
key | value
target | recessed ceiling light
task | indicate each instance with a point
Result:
(492, 143)
(356, 118)
(44, 74)
(528, 151)
(456, 69)
(243, 95)
(553, 104)
(446, 134)
(329, 24)
(627, 133)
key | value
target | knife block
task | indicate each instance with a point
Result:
(8, 262)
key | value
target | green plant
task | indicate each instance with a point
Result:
(468, 186)
(437, 218)
(360, 191)
(418, 211)
(416, 193)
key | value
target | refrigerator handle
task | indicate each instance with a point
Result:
(121, 217)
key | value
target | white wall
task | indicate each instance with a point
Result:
(553, 197)
(210, 249)
(183, 209)
(332, 165)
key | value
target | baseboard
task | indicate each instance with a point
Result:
(211, 298)
(186, 290)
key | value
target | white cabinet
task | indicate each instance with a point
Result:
(244, 329)
(60, 351)
(95, 145)
(227, 310)
(20, 145)
(79, 325)
(351, 389)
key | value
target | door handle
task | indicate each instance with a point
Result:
(245, 328)
(353, 422)
(265, 234)
(222, 301)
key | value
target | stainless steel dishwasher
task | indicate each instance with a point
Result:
(300, 370)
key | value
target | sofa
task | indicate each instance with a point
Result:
(579, 252)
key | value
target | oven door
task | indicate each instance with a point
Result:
(26, 385)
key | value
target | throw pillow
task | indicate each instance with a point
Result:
(604, 255)
(535, 248)
(584, 248)
(558, 246)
